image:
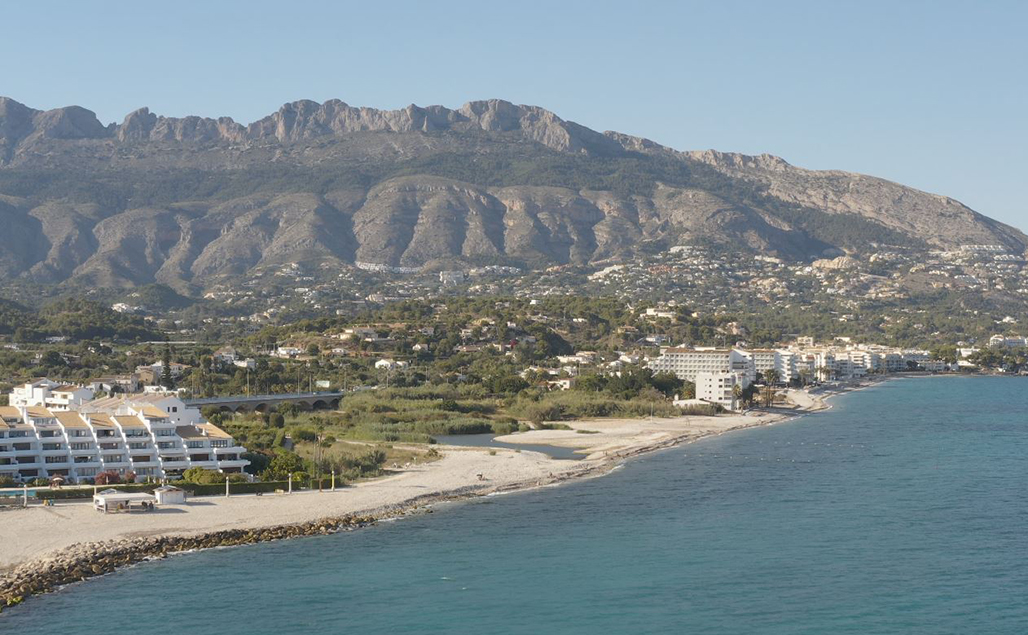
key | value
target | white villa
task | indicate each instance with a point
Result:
(49, 394)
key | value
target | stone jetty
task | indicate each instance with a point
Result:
(86, 560)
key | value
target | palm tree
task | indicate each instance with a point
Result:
(737, 393)
(771, 377)
(804, 375)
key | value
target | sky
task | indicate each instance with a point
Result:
(932, 94)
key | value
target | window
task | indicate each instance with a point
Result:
(220, 443)
(109, 446)
(138, 445)
(113, 458)
(87, 471)
(46, 434)
(83, 459)
(56, 459)
(165, 445)
(16, 433)
(81, 446)
(164, 433)
(194, 444)
(52, 446)
(81, 433)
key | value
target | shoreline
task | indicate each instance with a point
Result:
(54, 555)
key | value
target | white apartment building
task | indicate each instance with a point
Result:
(128, 434)
(1002, 341)
(686, 363)
(49, 394)
(718, 388)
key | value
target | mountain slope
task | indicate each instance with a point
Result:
(189, 201)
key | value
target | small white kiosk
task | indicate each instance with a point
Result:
(170, 495)
(111, 500)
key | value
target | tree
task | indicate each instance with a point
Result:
(771, 377)
(166, 379)
(109, 477)
(53, 359)
(202, 476)
(667, 383)
(282, 465)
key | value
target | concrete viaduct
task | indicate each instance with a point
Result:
(267, 403)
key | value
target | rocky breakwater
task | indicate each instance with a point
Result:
(87, 560)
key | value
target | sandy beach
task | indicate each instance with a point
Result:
(38, 532)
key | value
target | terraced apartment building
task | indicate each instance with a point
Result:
(129, 434)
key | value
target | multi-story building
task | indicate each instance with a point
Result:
(718, 388)
(686, 363)
(122, 435)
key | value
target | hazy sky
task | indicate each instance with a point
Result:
(930, 94)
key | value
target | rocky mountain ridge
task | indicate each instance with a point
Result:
(189, 201)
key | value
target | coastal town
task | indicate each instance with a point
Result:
(142, 426)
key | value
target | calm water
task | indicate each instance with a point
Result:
(902, 510)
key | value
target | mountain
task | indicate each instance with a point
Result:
(191, 201)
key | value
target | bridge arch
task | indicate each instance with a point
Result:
(320, 404)
(262, 408)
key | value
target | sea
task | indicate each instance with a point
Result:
(902, 509)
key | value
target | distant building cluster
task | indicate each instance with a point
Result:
(716, 371)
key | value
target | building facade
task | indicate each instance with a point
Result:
(122, 435)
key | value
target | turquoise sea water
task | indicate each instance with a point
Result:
(904, 509)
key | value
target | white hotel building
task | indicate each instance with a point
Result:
(686, 363)
(126, 434)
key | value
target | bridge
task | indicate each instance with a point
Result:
(266, 403)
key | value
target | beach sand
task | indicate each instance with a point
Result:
(37, 532)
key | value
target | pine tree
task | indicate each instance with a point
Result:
(166, 380)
